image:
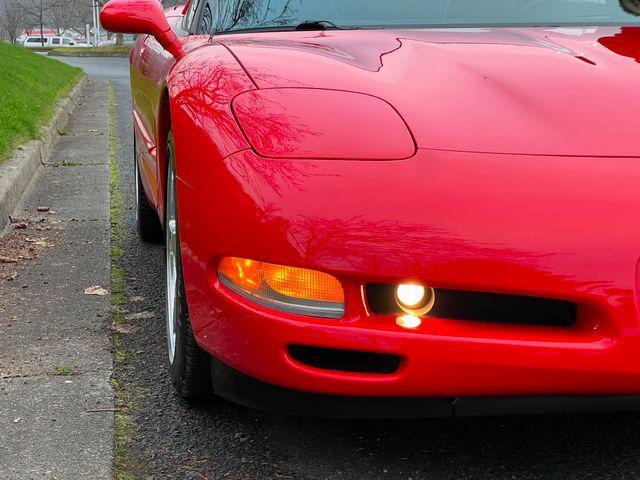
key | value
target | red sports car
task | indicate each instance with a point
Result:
(408, 208)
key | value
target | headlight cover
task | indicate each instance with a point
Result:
(322, 124)
(288, 289)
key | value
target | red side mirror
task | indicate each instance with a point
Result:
(142, 17)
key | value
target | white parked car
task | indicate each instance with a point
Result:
(35, 41)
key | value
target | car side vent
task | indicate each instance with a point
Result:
(345, 360)
(480, 307)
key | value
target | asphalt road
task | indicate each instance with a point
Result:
(174, 440)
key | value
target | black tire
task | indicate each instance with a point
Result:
(148, 223)
(189, 366)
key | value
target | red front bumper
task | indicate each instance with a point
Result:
(551, 227)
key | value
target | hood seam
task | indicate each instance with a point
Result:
(241, 64)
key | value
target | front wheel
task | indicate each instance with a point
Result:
(188, 364)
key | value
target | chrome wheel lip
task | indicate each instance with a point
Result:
(172, 293)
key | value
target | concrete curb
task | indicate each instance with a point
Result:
(17, 171)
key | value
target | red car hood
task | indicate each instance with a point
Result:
(561, 91)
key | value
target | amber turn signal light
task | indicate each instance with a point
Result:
(285, 288)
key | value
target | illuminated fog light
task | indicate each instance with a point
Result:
(409, 321)
(414, 299)
(411, 296)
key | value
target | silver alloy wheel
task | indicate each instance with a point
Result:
(172, 252)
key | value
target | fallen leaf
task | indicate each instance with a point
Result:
(43, 209)
(136, 299)
(96, 290)
(140, 316)
(8, 260)
(20, 226)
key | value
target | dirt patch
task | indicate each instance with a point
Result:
(25, 241)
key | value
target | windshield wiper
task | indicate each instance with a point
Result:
(317, 25)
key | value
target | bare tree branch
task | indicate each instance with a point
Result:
(12, 20)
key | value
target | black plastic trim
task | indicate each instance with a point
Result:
(250, 392)
(345, 360)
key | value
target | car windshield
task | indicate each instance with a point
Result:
(242, 15)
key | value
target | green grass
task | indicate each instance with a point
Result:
(30, 85)
(63, 370)
(126, 396)
(109, 51)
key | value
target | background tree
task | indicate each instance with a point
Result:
(84, 14)
(35, 14)
(72, 15)
(11, 19)
(64, 16)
